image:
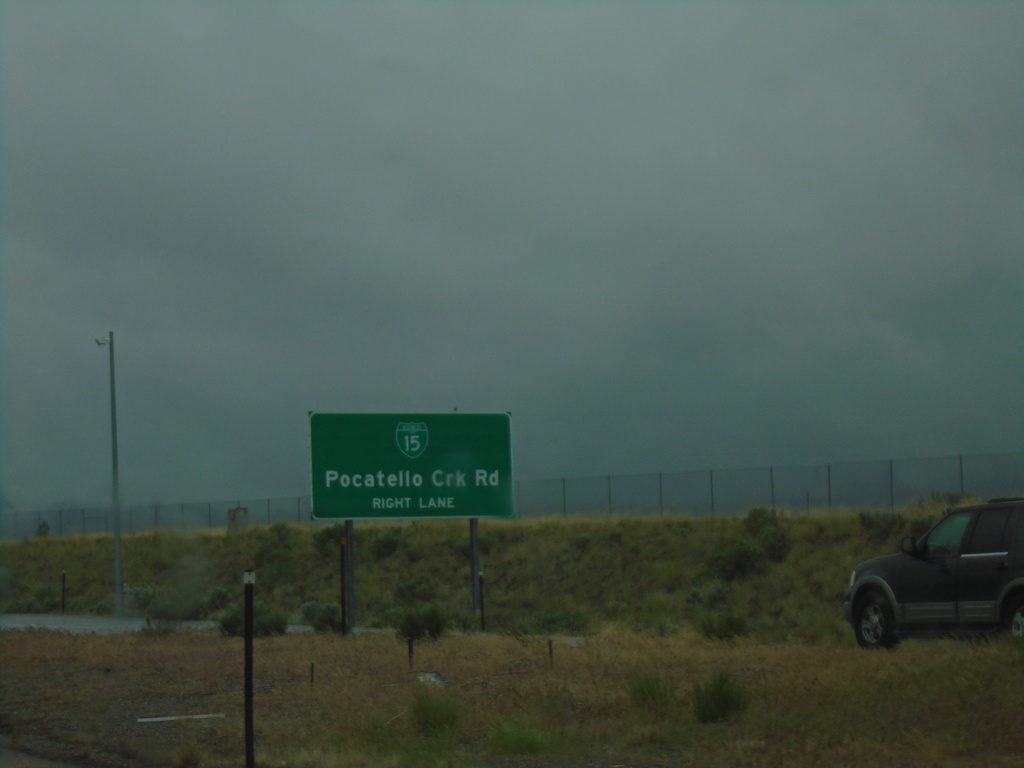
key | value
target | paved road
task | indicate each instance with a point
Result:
(101, 625)
(10, 759)
(85, 625)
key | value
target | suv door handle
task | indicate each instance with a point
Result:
(944, 568)
(1003, 566)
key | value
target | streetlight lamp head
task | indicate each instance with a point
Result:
(100, 342)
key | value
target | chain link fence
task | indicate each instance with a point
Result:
(886, 484)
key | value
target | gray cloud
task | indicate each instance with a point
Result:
(665, 236)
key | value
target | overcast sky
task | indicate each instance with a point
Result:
(664, 235)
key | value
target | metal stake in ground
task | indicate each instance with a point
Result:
(343, 606)
(249, 579)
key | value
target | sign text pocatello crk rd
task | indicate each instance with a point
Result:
(411, 465)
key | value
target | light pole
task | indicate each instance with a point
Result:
(115, 495)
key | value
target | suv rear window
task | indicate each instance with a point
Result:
(989, 533)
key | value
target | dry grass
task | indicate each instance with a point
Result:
(925, 704)
(623, 694)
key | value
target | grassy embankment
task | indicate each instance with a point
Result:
(652, 597)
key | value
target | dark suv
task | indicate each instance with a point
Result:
(965, 574)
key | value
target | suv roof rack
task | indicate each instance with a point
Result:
(999, 499)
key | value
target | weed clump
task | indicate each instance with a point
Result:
(519, 737)
(722, 625)
(650, 691)
(719, 698)
(434, 713)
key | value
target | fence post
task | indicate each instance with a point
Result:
(563, 498)
(892, 491)
(609, 495)
(661, 496)
(828, 479)
(711, 483)
(961, 474)
(771, 478)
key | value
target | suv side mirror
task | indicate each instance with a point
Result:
(909, 545)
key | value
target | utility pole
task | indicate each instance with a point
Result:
(115, 491)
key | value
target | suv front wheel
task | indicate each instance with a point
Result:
(873, 622)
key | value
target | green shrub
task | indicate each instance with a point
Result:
(43, 530)
(711, 595)
(141, 598)
(323, 617)
(652, 692)
(434, 713)
(218, 599)
(518, 737)
(156, 626)
(181, 596)
(881, 526)
(101, 608)
(722, 626)
(560, 622)
(776, 542)
(8, 586)
(760, 518)
(45, 600)
(417, 623)
(177, 605)
(275, 552)
(265, 621)
(327, 541)
(374, 730)
(385, 545)
(767, 527)
(734, 559)
(719, 699)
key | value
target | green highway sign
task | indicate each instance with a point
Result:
(411, 465)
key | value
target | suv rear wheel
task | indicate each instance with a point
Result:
(1015, 616)
(873, 622)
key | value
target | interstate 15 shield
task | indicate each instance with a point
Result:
(412, 437)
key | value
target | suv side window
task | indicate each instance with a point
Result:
(944, 539)
(989, 535)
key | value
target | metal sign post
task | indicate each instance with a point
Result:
(249, 580)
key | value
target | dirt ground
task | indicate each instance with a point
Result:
(95, 703)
